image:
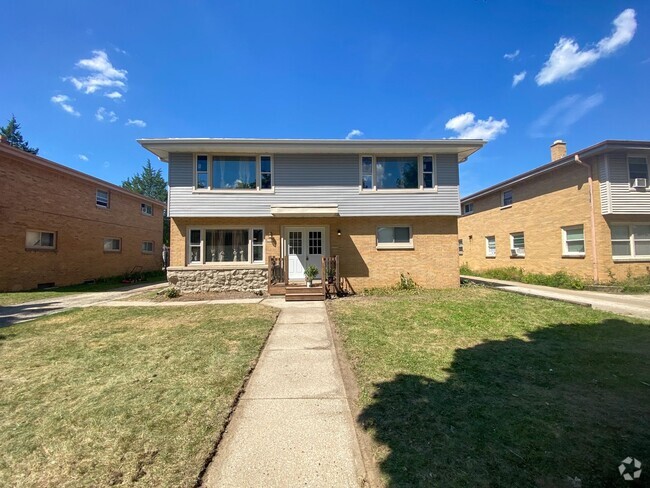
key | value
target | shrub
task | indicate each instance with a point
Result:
(171, 292)
(560, 279)
(406, 282)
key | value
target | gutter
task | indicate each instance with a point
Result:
(594, 244)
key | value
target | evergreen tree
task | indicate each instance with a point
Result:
(150, 183)
(12, 133)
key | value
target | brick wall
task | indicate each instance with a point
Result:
(34, 195)
(542, 206)
(432, 263)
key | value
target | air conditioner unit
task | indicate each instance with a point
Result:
(640, 183)
(517, 251)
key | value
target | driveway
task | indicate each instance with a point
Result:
(632, 305)
(13, 314)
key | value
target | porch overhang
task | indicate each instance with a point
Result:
(305, 210)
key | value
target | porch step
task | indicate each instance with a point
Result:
(304, 293)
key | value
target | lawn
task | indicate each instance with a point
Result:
(477, 387)
(107, 284)
(122, 396)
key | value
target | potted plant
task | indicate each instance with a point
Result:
(330, 272)
(310, 273)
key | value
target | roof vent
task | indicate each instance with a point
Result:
(558, 150)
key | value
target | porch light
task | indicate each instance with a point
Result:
(338, 232)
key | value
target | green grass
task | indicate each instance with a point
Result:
(477, 387)
(559, 279)
(121, 396)
(103, 284)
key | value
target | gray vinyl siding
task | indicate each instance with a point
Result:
(603, 177)
(313, 179)
(621, 199)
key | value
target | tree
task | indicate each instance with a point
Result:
(150, 183)
(12, 133)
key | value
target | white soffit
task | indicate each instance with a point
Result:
(305, 211)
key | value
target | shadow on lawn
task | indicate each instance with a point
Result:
(569, 401)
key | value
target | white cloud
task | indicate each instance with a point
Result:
(467, 127)
(62, 101)
(353, 133)
(566, 58)
(103, 74)
(518, 78)
(136, 122)
(115, 95)
(511, 56)
(103, 114)
(557, 119)
(83, 157)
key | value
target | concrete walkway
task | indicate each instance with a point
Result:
(293, 425)
(13, 314)
(632, 305)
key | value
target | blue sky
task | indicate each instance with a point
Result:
(86, 79)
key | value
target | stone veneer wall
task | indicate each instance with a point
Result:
(206, 280)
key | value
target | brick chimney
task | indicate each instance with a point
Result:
(558, 150)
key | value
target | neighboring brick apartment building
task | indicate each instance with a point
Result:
(60, 226)
(551, 219)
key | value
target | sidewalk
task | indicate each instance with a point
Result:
(293, 425)
(632, 305)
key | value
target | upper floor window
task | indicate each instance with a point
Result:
(573, 241)
(102, 198)
(40, 239)
(506, 198)
(146, 209)
(112, 244)
(397, 172)
(234, 173)
(638, 168)
(468, 208)
(631, 241)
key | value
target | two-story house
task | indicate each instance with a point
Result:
(384, 207)
(62, 227)
(587, 213)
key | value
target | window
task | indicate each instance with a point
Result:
(490, 247)
(112, 244)
(506, 198)
(234, 173)
(101, 198)
(468, 208)
(638, 168)
(39, 239)
(147, 247)
(394, 238)
(397, 173)
(201, 171)
(461, 248)
(265, 173)
(573, 241)
(631, 241)
(226, 246)
(427, 171)
(315, 242)
(146, 209)
(517, 245)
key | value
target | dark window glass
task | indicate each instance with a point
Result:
(397, 172)
(234, 172)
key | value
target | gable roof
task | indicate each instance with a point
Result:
(462, 147)
(13, 152)
(601, 147)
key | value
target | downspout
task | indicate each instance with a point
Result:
(594, 244)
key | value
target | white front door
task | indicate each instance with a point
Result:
(304, 246)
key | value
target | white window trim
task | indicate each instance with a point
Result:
(153, 246)
(108, 198)
(647, 164)
(224, 264)
(487, 247)
(471, 211)
(565, 245)
(119, 239)
(395, 245)
(419, 189)
(503, 195)
(633, 256)
(41, 248)
(258, 177)
(461, 247)
(143, 208)
(512, 244)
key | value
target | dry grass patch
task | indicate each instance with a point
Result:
(121, 396)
